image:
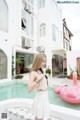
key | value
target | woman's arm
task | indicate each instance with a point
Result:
(32, 83)
(34, 80)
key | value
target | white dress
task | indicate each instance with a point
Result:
(40, 106)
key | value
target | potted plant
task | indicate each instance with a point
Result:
(13, 69)
(65, 71)
(19, 62)
(48, 71)
(71, 74)
(19, 76)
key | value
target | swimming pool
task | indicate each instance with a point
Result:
(17, 89)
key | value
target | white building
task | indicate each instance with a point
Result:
(28, 26)
(51, 33)
(17, 32)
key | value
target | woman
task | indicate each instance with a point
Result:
(38, 81)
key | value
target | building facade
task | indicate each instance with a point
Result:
(27, 28)
(51, 35)
(67, 43)
(17, 35)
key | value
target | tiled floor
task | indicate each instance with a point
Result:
(56, 80)
(22, 114)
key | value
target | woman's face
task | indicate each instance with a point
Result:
(43, 64)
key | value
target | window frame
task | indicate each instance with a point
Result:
(41, 4)
(4, 17)
(42, 30)
(55, 32)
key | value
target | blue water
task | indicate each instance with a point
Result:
(19, 90)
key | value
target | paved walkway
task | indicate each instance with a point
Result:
(56, 80)
(22, 114)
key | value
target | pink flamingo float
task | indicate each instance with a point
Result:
(70, 93)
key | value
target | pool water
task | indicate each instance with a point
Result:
(19, 90)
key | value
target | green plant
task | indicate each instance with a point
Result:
(18, 76)
(48, 70)
(13, 69)
(65, 69)
(71, 71)
(19, 61)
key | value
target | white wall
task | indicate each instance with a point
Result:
(14, 29)
(49, 15)
(56, 19)
(13, 37)
(36, 26)
(6, 48)
(6, 38)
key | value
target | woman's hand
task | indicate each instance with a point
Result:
(34, 80)
(40, 77)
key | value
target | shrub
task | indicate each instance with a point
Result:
(65, 69)
(48, 70)
(18, 76)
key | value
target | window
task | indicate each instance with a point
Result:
(27, 23)
(23, 23)
(55, 33)
(3, 16)
(24, 62)
(78, 65)
(66, 44)
(41, 3)
(3, 65)
(32, 25)
(31, 1)
(42, 29)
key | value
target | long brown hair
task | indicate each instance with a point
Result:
(37, 61)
